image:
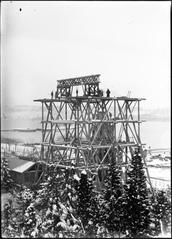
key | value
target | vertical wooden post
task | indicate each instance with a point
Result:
(127, 139)
(115, 120)
(139, 120)
(89, 122)
(78, 120)
(77, 130)
(51, 135)
(116, 156)
(42, 146)
(89, 134)
(66, 136)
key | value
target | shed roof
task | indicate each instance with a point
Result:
(19, 165)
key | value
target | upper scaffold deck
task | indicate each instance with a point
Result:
(85, 98)
(83, 80)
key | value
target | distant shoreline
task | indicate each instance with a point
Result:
(5, 140)
(9, 141)
(20, 130)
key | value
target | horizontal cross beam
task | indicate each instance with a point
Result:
(85, 99)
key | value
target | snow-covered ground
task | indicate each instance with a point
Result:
(159, 165)
(160, 177)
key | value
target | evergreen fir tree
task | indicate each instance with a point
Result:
(94, 221)
(69, 199)
(161, 211)
(138, 203)
(52, 184)
(84, 197)
(7, 226)
(7, 213)
(6, 180)
(69, 194)
(87, 206)
(54, 201)
(23, 198)
(155, 227)
(58, 220)
(29, 220)
(51, 217)
(113, 199)
(164, 208)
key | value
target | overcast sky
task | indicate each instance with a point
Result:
(128, 43)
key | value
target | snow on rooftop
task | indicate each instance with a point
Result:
(24, 167)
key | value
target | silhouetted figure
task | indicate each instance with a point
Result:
(136, 151)
(110, 115)
(51, 94)
(145, 152)
(56, 94)
(94, 91)
(149, 150)
(101, 92)
(108, 93)
(67, 93)
(76, 92)
(85, 90)
(89, 90)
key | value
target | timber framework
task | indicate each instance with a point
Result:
(81, 126)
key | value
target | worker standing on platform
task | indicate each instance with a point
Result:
(89, 90)
(51, 94)
(77, 92)
(56, 94)
(108, 93)
(99, 92)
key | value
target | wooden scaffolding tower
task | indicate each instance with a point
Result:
(83, 127)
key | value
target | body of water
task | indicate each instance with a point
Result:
(155, 134)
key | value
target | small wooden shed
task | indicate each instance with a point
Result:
(23, 171)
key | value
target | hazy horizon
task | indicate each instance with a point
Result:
(128, 43)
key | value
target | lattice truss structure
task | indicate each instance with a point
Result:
(86, 128)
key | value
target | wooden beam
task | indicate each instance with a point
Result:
(59, 146)
(93, 98)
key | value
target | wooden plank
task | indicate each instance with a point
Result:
(63, 121)
(94, 98)
(59, 146)
(90, 121)
(125, 98)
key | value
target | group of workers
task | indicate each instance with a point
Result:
(100, 93)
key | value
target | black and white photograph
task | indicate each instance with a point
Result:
(85, 119)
